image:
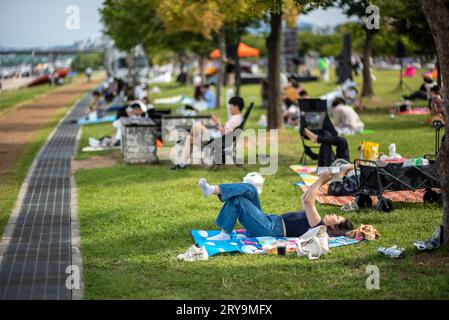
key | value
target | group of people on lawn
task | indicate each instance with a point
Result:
(431, 92)
(241, 200)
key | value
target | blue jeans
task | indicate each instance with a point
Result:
(241, 201)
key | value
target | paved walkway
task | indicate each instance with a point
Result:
(37, 243)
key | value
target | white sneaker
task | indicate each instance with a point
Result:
(194, 254)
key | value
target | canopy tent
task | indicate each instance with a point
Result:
(431, 74)
(244, 51)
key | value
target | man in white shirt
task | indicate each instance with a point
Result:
(346, 120)
(236, 105)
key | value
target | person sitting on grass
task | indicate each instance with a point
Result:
(236, 105)
(96, 106)
(436, 105)
(241, 202)
(423, 92)
(346, 120)
(208, 96)
(134, 109)
(326, 155)
(291, 93)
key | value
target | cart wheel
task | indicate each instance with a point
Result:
(385, 205)
(364, 201)
(430, 197)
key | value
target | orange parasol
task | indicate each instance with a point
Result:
(244, 51)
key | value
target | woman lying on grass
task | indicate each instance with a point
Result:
(241, 201)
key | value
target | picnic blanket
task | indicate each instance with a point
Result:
(110, 118)
(303, 169)
(306, 173)
(395, 196)
(239, 242)
(422, 111)
(308, 179)
(95, 149)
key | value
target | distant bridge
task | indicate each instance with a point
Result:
(51, 52)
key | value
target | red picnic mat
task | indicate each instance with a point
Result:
(395, 196)
(416, 111)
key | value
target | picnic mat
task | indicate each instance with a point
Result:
(395, 196)
(239, 242)
(306, 173)
(303, 169)
(110, 118)
(95, 149)
(416, 111)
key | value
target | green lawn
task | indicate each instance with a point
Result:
(12, 98)
(136, 219)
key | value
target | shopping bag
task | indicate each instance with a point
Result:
(313, 243)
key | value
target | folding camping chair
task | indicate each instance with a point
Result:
(156, 115)
(438, 125)
(227, 144)
(314, 116)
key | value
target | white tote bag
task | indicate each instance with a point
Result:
(313, 243)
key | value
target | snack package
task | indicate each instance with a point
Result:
(369, 150)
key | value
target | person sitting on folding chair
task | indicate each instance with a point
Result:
(319, 129)
(236, 105)
(326, 155)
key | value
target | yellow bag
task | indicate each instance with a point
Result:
(369, 150)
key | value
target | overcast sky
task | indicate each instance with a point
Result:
(29, 23)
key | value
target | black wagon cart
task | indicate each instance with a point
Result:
(374, 179)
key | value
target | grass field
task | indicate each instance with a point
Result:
(136, 219)
(12, 98)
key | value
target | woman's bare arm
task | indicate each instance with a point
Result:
(309, 197)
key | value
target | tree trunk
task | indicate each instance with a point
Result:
(201, 65)
(367, 90)
(274, 70)
(131, 74)
(181, 62)
(181, 57)
(222, 69)
(238, 80)
(437, 13)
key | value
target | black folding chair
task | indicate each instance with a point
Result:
(226, 144)
(156, 115)
(313, 116)
(437, 125)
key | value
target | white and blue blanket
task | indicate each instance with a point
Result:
(239, 242)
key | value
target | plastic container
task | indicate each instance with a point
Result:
(416, 162)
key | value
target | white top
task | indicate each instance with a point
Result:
(346, 117)
(233, 122)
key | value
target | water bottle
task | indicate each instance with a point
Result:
(392, 150)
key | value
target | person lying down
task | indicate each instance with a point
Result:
(241, 202)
